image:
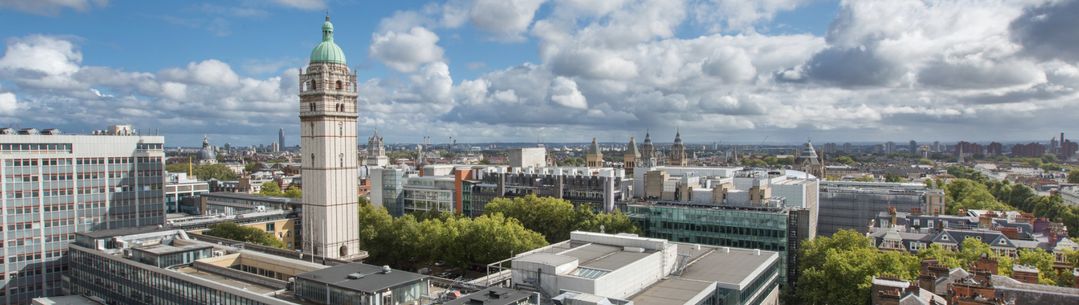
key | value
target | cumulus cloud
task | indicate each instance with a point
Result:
(739, 15)
(309, 5)
(51, 7)
(504, 18)
(8, 104)
(1048, 30)
(406, 51)
(564, 92)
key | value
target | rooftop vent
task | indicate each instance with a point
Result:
(51, 131)
(386, 269)
(354, 276)
(7, 130)
(756, 251)
(28, 131)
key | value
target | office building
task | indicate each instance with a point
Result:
(281, 138)
(498, 296)
(528, 157)
(328, 141)
(778, 229)
(182, 193)
(225, 203)
(151, 266)
(595, 268)
(599, 188)
(361, 284)
(852, 205)
(56, 185)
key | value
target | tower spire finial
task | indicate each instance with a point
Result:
(327, 15)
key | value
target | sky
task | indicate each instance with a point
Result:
(726, 71)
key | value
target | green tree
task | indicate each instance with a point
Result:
(549, 216)
(293, 192)
(969, 194)
(1073, 176)
(270, 188)
(845, 160)
(215, 171)
(556, 218)
(838, 270)
(245, 234)
(1042, 260)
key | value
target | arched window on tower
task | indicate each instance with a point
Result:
(314, 85)
(312, 159)
(312, 106)
(339, 85)
(305, 86)
(343, 251)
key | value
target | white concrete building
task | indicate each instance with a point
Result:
(528, 157)
(56, 185)
(596, 268)
(328, 140)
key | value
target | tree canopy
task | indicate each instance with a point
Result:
(408, 243)
(556, 218)
(237, 232)
(270, 188)
(1073, 176)
(838, 270)
(204, 171)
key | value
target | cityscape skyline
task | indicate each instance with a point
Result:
(780, 71)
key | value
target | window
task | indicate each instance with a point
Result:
(339, 85)
(312, 106)
(340, 129)
(312, 159)
(344, 252)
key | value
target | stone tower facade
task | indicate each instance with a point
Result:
(328, 141)
(648, 153)
(594, 157)
(808, 161)
(678, 151)
(630, 157)
(376, 151)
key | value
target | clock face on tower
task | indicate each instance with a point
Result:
(328, 114)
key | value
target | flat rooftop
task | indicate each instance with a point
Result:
(670, 291)
(737, 267)
(163, 249)
(493, 296)
(373, 280)
(227, 281)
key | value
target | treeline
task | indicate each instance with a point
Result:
(838, 270)
(556, 218)
(205, 171)
(237, 232)
(1019, 196)
(270, 188)
(408, 243)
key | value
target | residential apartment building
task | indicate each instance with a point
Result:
(56, 185)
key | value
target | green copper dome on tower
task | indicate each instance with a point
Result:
(327, 51)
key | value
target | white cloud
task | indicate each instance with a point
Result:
(41, 55)
(504, 18)
(406, 51)
(738, 15)
(8, 104)
(310, 5)
(210, 72)
(564, 92)
(50, 7)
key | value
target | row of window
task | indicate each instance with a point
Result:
(37, 148)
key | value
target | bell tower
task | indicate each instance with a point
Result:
(328, 141)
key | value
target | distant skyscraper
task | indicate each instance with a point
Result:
(913, 147)
(648, 153)
(678, 151)
(328, 142)
(376, 151)
(594, 156)
(281, 138)
(57, 185)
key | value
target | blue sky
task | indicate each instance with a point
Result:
(560, 70)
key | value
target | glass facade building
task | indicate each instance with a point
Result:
(851, 205)
(54, 186)
(772, 229)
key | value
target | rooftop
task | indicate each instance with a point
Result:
(373, 278)
(493, 296)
